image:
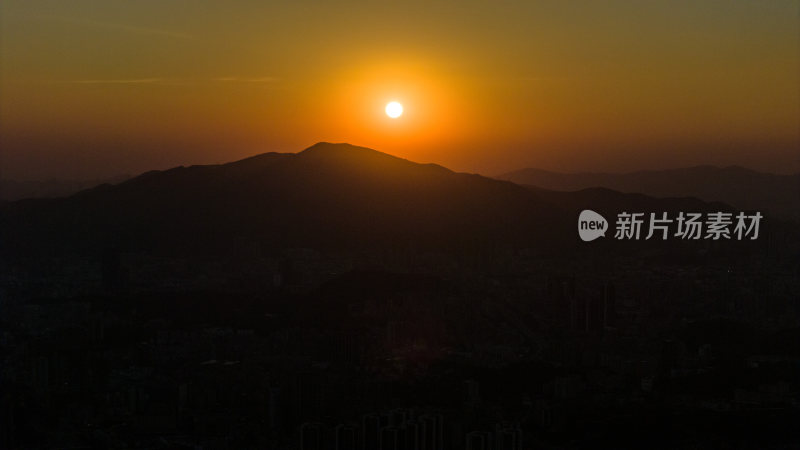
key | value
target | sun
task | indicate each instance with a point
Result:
(394, 110)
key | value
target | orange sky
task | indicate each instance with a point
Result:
(100, 88)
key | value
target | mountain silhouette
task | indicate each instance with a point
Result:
(11, 190)
(611, 202)
(742, 188)
(329, 196)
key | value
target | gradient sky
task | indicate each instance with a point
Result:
(102, 88)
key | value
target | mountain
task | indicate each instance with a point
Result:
(329, 196)
(742, 188)
(11, 190)
(611, 202)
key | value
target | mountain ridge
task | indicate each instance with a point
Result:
(330, 197)
(741, 187)
(699, 167)
(327, 196)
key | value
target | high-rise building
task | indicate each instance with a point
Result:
(346, 437)
(390, 438)
(479, 440)
(370, 431)
(432, 432)
(312, 436)
(472, 393)
(508, 437)
(412, 435)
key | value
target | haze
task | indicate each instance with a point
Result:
(101, 88)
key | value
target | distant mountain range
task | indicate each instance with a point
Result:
(740, 187)
(334, 197)
(11, 190)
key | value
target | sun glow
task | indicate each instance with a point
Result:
(394, 110)
(358, 105)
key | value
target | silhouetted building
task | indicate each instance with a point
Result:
(346, 437)
(390, 438)
(479, 440)
(472, 393)
(312, 436)
(432, 432)
(370, 431)
(508, 437)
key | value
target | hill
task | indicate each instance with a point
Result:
(742, 188)
(329, 196)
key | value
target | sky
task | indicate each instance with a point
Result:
(92, 89)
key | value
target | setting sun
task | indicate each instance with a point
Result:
(394, 110)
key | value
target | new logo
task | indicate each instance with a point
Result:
(591, 225)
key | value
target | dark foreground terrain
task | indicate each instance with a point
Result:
(341, 298)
